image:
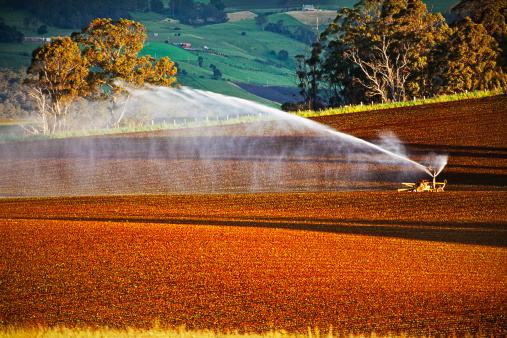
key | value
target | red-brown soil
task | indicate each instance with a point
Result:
(472, 133)
(259, 157)
(360, 261)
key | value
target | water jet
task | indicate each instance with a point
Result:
(231, 145)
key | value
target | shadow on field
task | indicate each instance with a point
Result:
(484, 166)
(477, 179)
(483, 159)
(475, 233)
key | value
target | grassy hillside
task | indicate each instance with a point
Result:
(269, 4)
(14, 55)
(241, 50)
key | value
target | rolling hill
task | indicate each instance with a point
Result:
(244, 53)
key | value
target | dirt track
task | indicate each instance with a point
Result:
(360, 261)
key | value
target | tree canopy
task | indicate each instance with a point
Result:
(112, 48)
(467, 61)
(89, 64)
(197, 13)
(78, 13)
(393, 50)
(383, 46)
(61, 76)
(492, 15)
(9, 33)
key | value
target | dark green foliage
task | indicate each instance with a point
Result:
(178, 8)
(30, 21)
(197, 13)
(261, 20)
(284, 4)
(14, 102)
(383, 46)
(309, 75)
(77, 13)
(156, 6)
(393, 50)
(301, 33)
(217, 74)
(43, 29)
(283, 55)
(218, 4)
(9, 33)
(467, 61)
(492, 15)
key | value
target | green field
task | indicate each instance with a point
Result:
(15, 55)
(246, 54)
(270, 4)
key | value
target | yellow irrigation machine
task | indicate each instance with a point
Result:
(425, 185)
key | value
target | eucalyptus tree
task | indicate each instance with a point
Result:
(93, 64)
(467, 61)
(61, 75)
(382, 47)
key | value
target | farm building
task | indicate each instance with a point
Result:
(184, 45)
(36, 39)
(308, 8)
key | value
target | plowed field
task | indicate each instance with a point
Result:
(360, 261)
(264, 157)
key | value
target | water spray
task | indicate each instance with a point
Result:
(210, 103)
(424, 185)
(266, 150)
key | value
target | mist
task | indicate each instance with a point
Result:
(214, 144)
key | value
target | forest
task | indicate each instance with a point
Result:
(78, 13)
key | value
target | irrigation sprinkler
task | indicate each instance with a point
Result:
(425, 185)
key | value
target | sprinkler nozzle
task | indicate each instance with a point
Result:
(433, 172)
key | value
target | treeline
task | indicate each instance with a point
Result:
(395, 50)
(96, 64)
(300, 33)
(9, 33)
(194, 13)
(14, 97)
(78, 13)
